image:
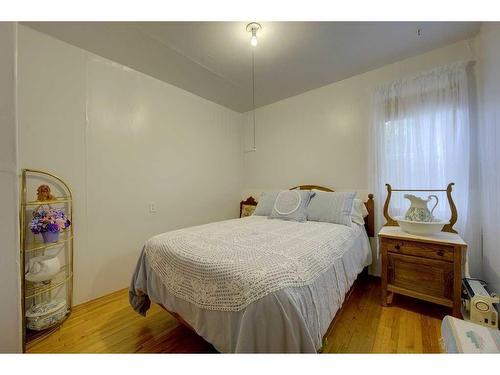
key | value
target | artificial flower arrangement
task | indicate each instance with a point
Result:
(49, 222)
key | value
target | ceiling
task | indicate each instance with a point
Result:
(213, 59)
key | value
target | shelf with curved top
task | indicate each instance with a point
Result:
(32, 247)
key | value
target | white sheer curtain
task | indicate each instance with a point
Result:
(489, 139)
(420, 139)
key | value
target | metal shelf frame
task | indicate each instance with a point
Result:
(27, 250)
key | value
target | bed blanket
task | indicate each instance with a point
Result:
(227, 265)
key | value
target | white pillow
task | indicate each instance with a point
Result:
(359, 212)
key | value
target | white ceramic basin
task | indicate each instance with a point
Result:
(420, 228)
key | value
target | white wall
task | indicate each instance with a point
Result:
(10, 297)
(321, 136)
(489, 139)
(122, 139)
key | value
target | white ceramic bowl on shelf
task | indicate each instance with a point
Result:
(420, 227)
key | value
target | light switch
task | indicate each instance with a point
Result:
(152, 207)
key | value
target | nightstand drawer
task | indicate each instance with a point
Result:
(433, 278)
(419, 249)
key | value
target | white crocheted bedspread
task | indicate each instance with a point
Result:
(229, 264)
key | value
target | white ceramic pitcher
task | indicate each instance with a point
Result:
(418, 210)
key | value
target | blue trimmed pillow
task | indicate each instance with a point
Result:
(331, 207)
(291, 205)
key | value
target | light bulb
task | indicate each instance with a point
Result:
(253, 41)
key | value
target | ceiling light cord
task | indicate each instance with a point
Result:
(253, 99)
(252, 28)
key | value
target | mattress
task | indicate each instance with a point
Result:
(282, 320)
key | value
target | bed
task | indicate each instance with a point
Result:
(254, 285)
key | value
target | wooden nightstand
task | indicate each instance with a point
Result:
(424, 267)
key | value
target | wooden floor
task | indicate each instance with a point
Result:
(109, 325)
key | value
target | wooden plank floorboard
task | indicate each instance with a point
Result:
(109, 325)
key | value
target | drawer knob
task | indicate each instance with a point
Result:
(397, 247)
(440, 253)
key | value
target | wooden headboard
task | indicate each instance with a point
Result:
(369, 220)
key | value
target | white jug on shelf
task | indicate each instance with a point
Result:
(43, 268)
(418, 210)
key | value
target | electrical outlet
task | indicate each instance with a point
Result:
(152, 207)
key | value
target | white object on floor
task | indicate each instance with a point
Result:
(421, 227)
(460, 336)
(478, 305)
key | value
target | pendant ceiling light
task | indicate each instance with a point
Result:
(253, 28)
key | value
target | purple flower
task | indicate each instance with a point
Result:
(48, 221)
(51, 227)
